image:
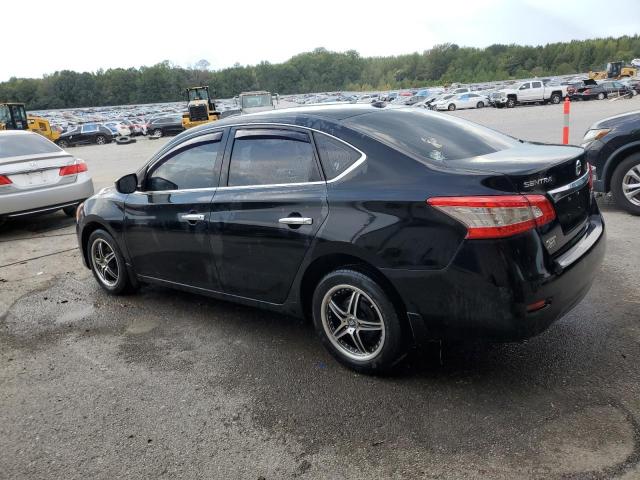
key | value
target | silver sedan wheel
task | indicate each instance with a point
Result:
(631, 185)
(353, 322)
(105, 262)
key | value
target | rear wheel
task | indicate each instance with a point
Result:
(625, 184)
(107, 263)
(601, 96)
(101, 139)
(157, 132)
(357, 322)
(451, 107)
(63, 144)
(480, 105)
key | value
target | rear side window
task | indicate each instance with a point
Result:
(433, 137)
(335, 156)
(272, 158)
(193, 167)
(16, 145)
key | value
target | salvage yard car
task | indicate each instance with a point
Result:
(84, 134)
(603, 90)
(36, 176)
(613, 147)
(161, 126)
(528, 92)
(386, 226)
(463, 100)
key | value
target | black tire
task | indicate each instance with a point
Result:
(480, 105)
(451, 107)
(556, 98)
(157, 132)
(511, 103)
(388, 349)
(70, 211)
(123, 284)
(63, 144)
(499, 105)
(602, 96)
(125, 140)
(616, 184)
(101, 140)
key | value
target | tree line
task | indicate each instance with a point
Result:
(319, 71)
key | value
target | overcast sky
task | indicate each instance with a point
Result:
(42, 37)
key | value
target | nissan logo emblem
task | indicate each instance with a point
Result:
(578, 168)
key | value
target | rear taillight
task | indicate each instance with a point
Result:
(497, 216)
(4, 180)
(73, 169)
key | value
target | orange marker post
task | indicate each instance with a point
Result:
(565, 128)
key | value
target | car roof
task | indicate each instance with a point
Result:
(7, 133)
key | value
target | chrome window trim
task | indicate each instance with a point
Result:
(563, 191)
(356, 164)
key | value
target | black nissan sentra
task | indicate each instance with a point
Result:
(385, 226)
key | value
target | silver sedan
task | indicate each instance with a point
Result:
(38, 176)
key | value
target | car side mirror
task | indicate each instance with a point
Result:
(127, 184)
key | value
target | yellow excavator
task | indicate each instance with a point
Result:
(13, 116)
(614, 71)
(200, 106)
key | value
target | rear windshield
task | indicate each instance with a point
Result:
(16, 145)
(434, 137)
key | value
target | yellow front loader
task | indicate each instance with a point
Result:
(200, 109)
(13, 116)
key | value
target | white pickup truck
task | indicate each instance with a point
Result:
(528, 92)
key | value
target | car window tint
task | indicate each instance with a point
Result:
(16, 145)
(335, 156)
(89, 128)
(193, 167)
(536, 84)
(430, 136)
(271, 160)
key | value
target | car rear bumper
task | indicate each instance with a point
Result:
(46, 199)
(486, 291)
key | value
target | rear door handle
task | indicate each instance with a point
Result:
(192, 217)
(296, 220)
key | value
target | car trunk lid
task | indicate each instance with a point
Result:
(557, 171)
(35, 171)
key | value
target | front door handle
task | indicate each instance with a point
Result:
(296, 220)
(192, 217)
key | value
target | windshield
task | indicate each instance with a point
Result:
(198, 94)
(32, 144)
(4, 114)
(428, 136)
(259, 100)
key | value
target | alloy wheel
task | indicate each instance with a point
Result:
(100, 140)
(631, 185)
(353, 323)
(105, 263)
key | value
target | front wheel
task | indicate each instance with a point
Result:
(63, 144)
(480, 105)
(601, 96)
(625, 184)
(555, 99)
(451, 107)
(101, 139)
(107, 263)
(357, 322)
(511, 103)
(157, 132)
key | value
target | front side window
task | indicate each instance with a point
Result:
(193, 167)
(335, 156)
(272, 158)
(524, 86)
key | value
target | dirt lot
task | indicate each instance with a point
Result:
(172, 385)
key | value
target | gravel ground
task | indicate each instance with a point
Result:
(167, 384)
